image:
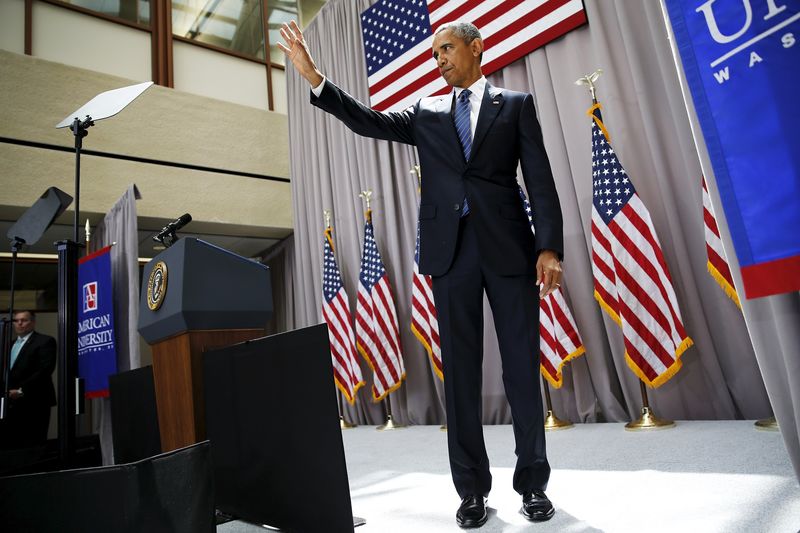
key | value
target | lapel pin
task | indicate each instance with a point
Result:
(495, 102)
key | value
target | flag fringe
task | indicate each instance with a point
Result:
(557, 383)
(343, 390)
(421, 338)
(600, 124)
(730, 291)
(393, 388)
(671, 371)
(607, 308)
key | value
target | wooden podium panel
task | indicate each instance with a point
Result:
(178, 377)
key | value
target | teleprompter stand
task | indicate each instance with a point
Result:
(102, 106)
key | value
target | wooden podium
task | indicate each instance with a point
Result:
(196, 297)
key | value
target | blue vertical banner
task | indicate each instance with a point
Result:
(742, 63)
(97, 353)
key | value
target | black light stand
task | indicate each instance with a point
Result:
(16, 243)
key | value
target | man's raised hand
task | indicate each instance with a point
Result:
(296, 51)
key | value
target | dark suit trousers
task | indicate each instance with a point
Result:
(515, 306)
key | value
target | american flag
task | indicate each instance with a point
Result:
(559, 341)
(336, 313)
(424, 323)
(631, 278)
(398, 35)
(377, 331)
(717, 263)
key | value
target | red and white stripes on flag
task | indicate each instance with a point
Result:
(377, 331)
(336, 313)
(398, 35)
(631, 279)
(559, 341)
(717, 263)
(424, 324)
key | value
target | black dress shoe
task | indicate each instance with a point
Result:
(472, 512)
(536, 506)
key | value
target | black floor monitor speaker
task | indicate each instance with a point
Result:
(172, 492)
(35, 221)
(134, 419)
(273, 422)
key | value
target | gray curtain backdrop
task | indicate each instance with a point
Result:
(120, 227)
(650, 131)
(772, 322)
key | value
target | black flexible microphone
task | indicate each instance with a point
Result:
(172, 227)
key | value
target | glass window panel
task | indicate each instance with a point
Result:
(137, 11)
(235, 25)
(278, 12)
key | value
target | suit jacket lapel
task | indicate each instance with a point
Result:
(490, 107)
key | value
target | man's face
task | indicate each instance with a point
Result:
(23, 323)
(457, 61)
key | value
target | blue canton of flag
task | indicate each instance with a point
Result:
(611, 187)
(372, 268)
(332, 279)
(392, 27)
(527, 205)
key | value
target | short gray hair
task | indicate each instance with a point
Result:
(466, 31)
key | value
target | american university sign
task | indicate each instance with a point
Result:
(742, 64)
(97, 354)
(737, 49)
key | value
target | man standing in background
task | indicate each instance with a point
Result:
(30, 386)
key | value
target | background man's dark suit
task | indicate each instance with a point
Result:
(29, 416)
(492, 249)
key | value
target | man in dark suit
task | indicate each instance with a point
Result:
(474, 237)
(31, 393)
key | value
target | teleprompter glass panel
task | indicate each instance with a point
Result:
(137, 11)
(278, 12)
(235, 25)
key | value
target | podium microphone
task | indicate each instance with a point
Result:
(169, 230)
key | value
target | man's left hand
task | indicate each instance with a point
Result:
(15, 394)
(548, 272)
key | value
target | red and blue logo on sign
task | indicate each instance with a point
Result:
(90, 297)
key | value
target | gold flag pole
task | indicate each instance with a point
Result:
(551, 421)
(648, 420)
(417, 170)
(366, 195)
(343, 424)
(767, 424)
(589, 80)
(88, 230)
(390, 423)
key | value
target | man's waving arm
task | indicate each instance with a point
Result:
(361, 119)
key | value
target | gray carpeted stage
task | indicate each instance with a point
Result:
(712, 476)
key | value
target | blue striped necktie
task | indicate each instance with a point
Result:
(464, 130)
